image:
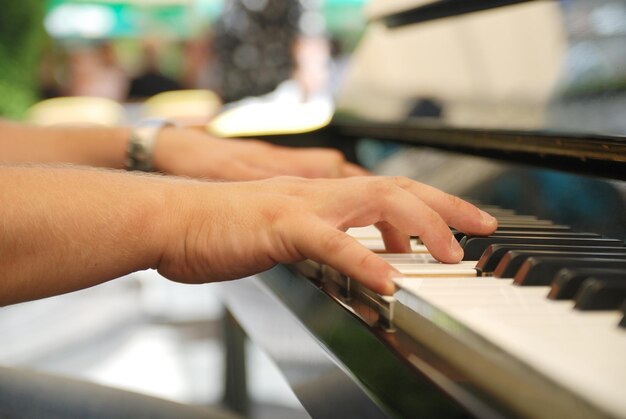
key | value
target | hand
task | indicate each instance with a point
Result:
(188, 152)
(221, 231)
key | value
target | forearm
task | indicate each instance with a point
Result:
(91, 146)
(63, 229)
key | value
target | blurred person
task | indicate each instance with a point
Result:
(311, 68)
(151, 79)
(198, 63)
(95, 71)
(253, 46)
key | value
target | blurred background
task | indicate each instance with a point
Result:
(130, 50)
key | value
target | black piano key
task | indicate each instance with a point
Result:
(535, 233)
(525, 223)
(475, 246)
(494, 253)
(530, 227)
(541, 270)
(567, 281)
(519, 217)
(513, 259)
(623, 309)
(601, 294)
(539, 233)
(531, 232)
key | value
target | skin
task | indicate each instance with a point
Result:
(69, 228)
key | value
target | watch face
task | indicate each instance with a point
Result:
(141, 144)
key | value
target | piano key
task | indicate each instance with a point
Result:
(408, 257)
(541, 270)
(515, 220)
(378, 246)
(513, 259)
(425, 259)
(520, 217)
(512, 223)
(367, 232)
(601, 294)
(530, 227)
(495, 252)
(475, 246)
(534, 233)
(522, 227)
(462, 269)
(567, 281)
(521, 322)
(622, 322)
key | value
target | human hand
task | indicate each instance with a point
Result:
(220, 231)
(189, 152)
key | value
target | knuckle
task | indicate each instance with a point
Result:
(380, 188)
(454, 202)
(330, 154)
(402, 181)
(432, 221)
(367, 260)
(337, 242)
(335, 155)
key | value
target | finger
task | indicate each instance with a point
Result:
(332, 247)
(395, 241)
(242, 171)
(381, 199)
(350, 169)
(455, 212)
(418, 219)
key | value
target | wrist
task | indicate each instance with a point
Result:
(164, 217)
(189, 208)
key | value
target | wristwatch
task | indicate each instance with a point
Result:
(141, 143)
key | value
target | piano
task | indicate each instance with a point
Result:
(519, 107)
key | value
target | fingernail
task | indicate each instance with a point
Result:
(390, 287)
(455, 248)
(487, 218)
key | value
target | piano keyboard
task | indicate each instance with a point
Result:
(495, 303)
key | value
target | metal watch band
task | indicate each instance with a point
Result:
(141, 144)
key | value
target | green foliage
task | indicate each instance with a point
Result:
(21, 40)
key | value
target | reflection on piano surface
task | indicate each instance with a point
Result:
(532, 322)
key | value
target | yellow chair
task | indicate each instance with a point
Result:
(76, 110)
(194, 107)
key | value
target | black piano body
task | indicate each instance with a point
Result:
(520, 104)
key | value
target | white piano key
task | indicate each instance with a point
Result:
(408, 257)
(377, 245)
(436, 269)
(367, 232)
(583, 351)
